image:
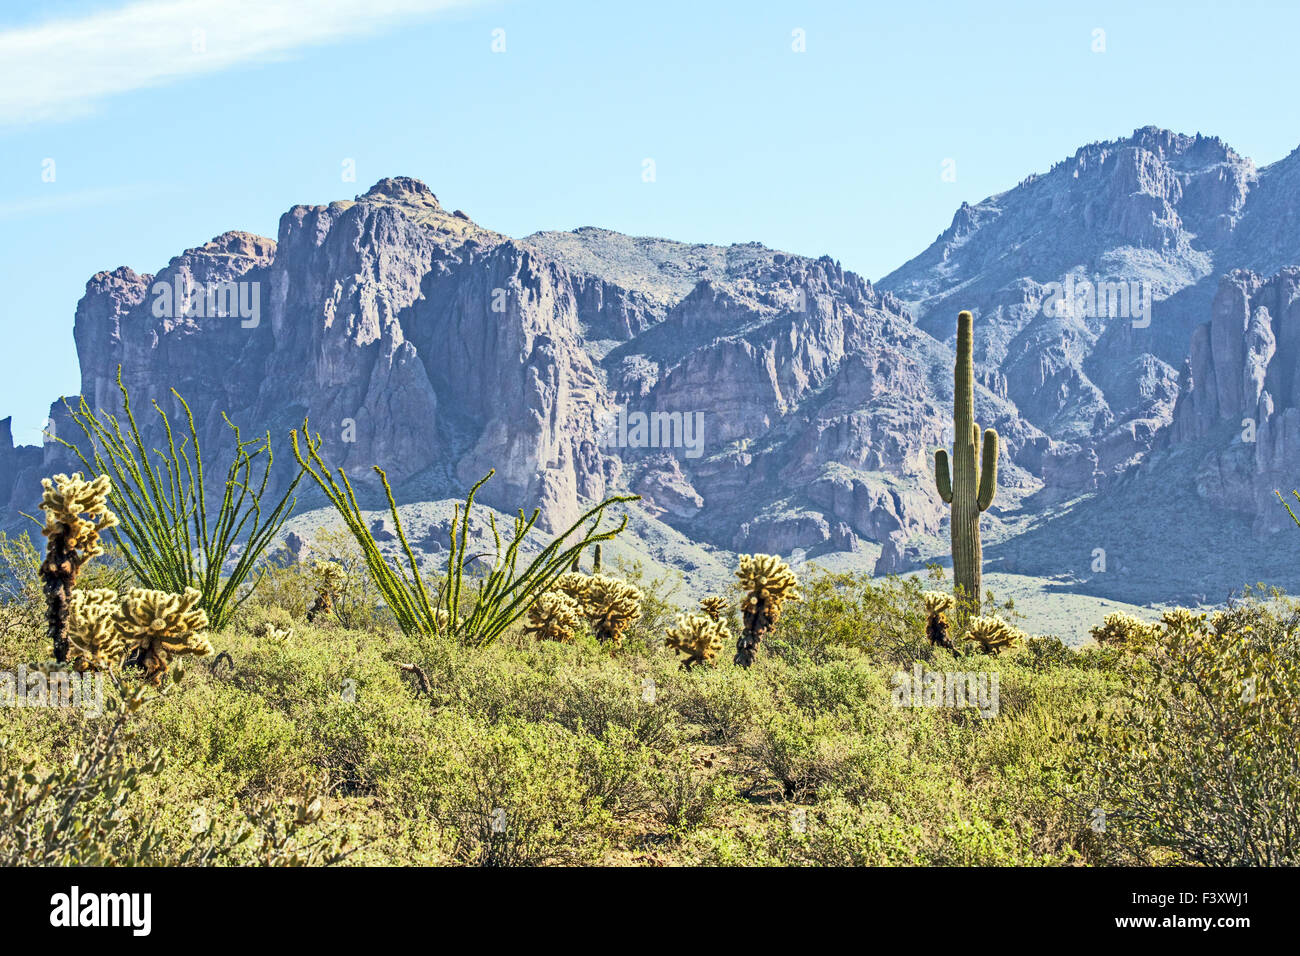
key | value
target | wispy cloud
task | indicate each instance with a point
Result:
(62, 68)
(57, 202)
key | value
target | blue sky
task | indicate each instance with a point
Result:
(837, 150)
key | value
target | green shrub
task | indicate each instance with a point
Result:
(1195, 760)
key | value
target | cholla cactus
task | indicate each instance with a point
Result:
(268, 632)
(937, 603)
(768, 583)
(95, 643)
(611, 606)
(574, 584)
(154, 625)
(329, 579)
(1126, 632)
(698, 637)
(715, 608)
(993, 634)
(76, 512)
(554, 617)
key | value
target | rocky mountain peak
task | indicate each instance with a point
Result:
(401, 189)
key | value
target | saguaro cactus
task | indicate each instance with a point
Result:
(970, 485)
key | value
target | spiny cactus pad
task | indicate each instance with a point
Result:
(697, 637)
(993, 634)
(554, 616)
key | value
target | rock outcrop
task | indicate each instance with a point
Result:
(1240, 395)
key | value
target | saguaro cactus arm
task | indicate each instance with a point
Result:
(988, 470)
(943, 475)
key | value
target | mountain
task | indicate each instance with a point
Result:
(756, 399)
(788, 403)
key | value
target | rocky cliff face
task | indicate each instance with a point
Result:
(1241, 395)
(1134, 228)
(756, 400)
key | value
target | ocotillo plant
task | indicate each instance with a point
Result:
(973, 480)
(503, 597)
(173, 534)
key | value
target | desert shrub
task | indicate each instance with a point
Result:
(886, 618)
(595, 702)
(803, 756)
(270, 624)
(1195, 760)
(1044, 652)
(20, 587)
(686, 793)
(615, 771)
(836, 832)
(95, 807)
(724, 702)
(512, 794)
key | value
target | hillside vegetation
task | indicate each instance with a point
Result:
(346, 740)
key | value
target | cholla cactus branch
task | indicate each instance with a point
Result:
(698, 638)
(554, 617)
(94, 640)
(329, 579)
(715, 608)
(76, 512)
(937, 603)
(768, 583)
(155, 625)
(993, 634)
(611, 606)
